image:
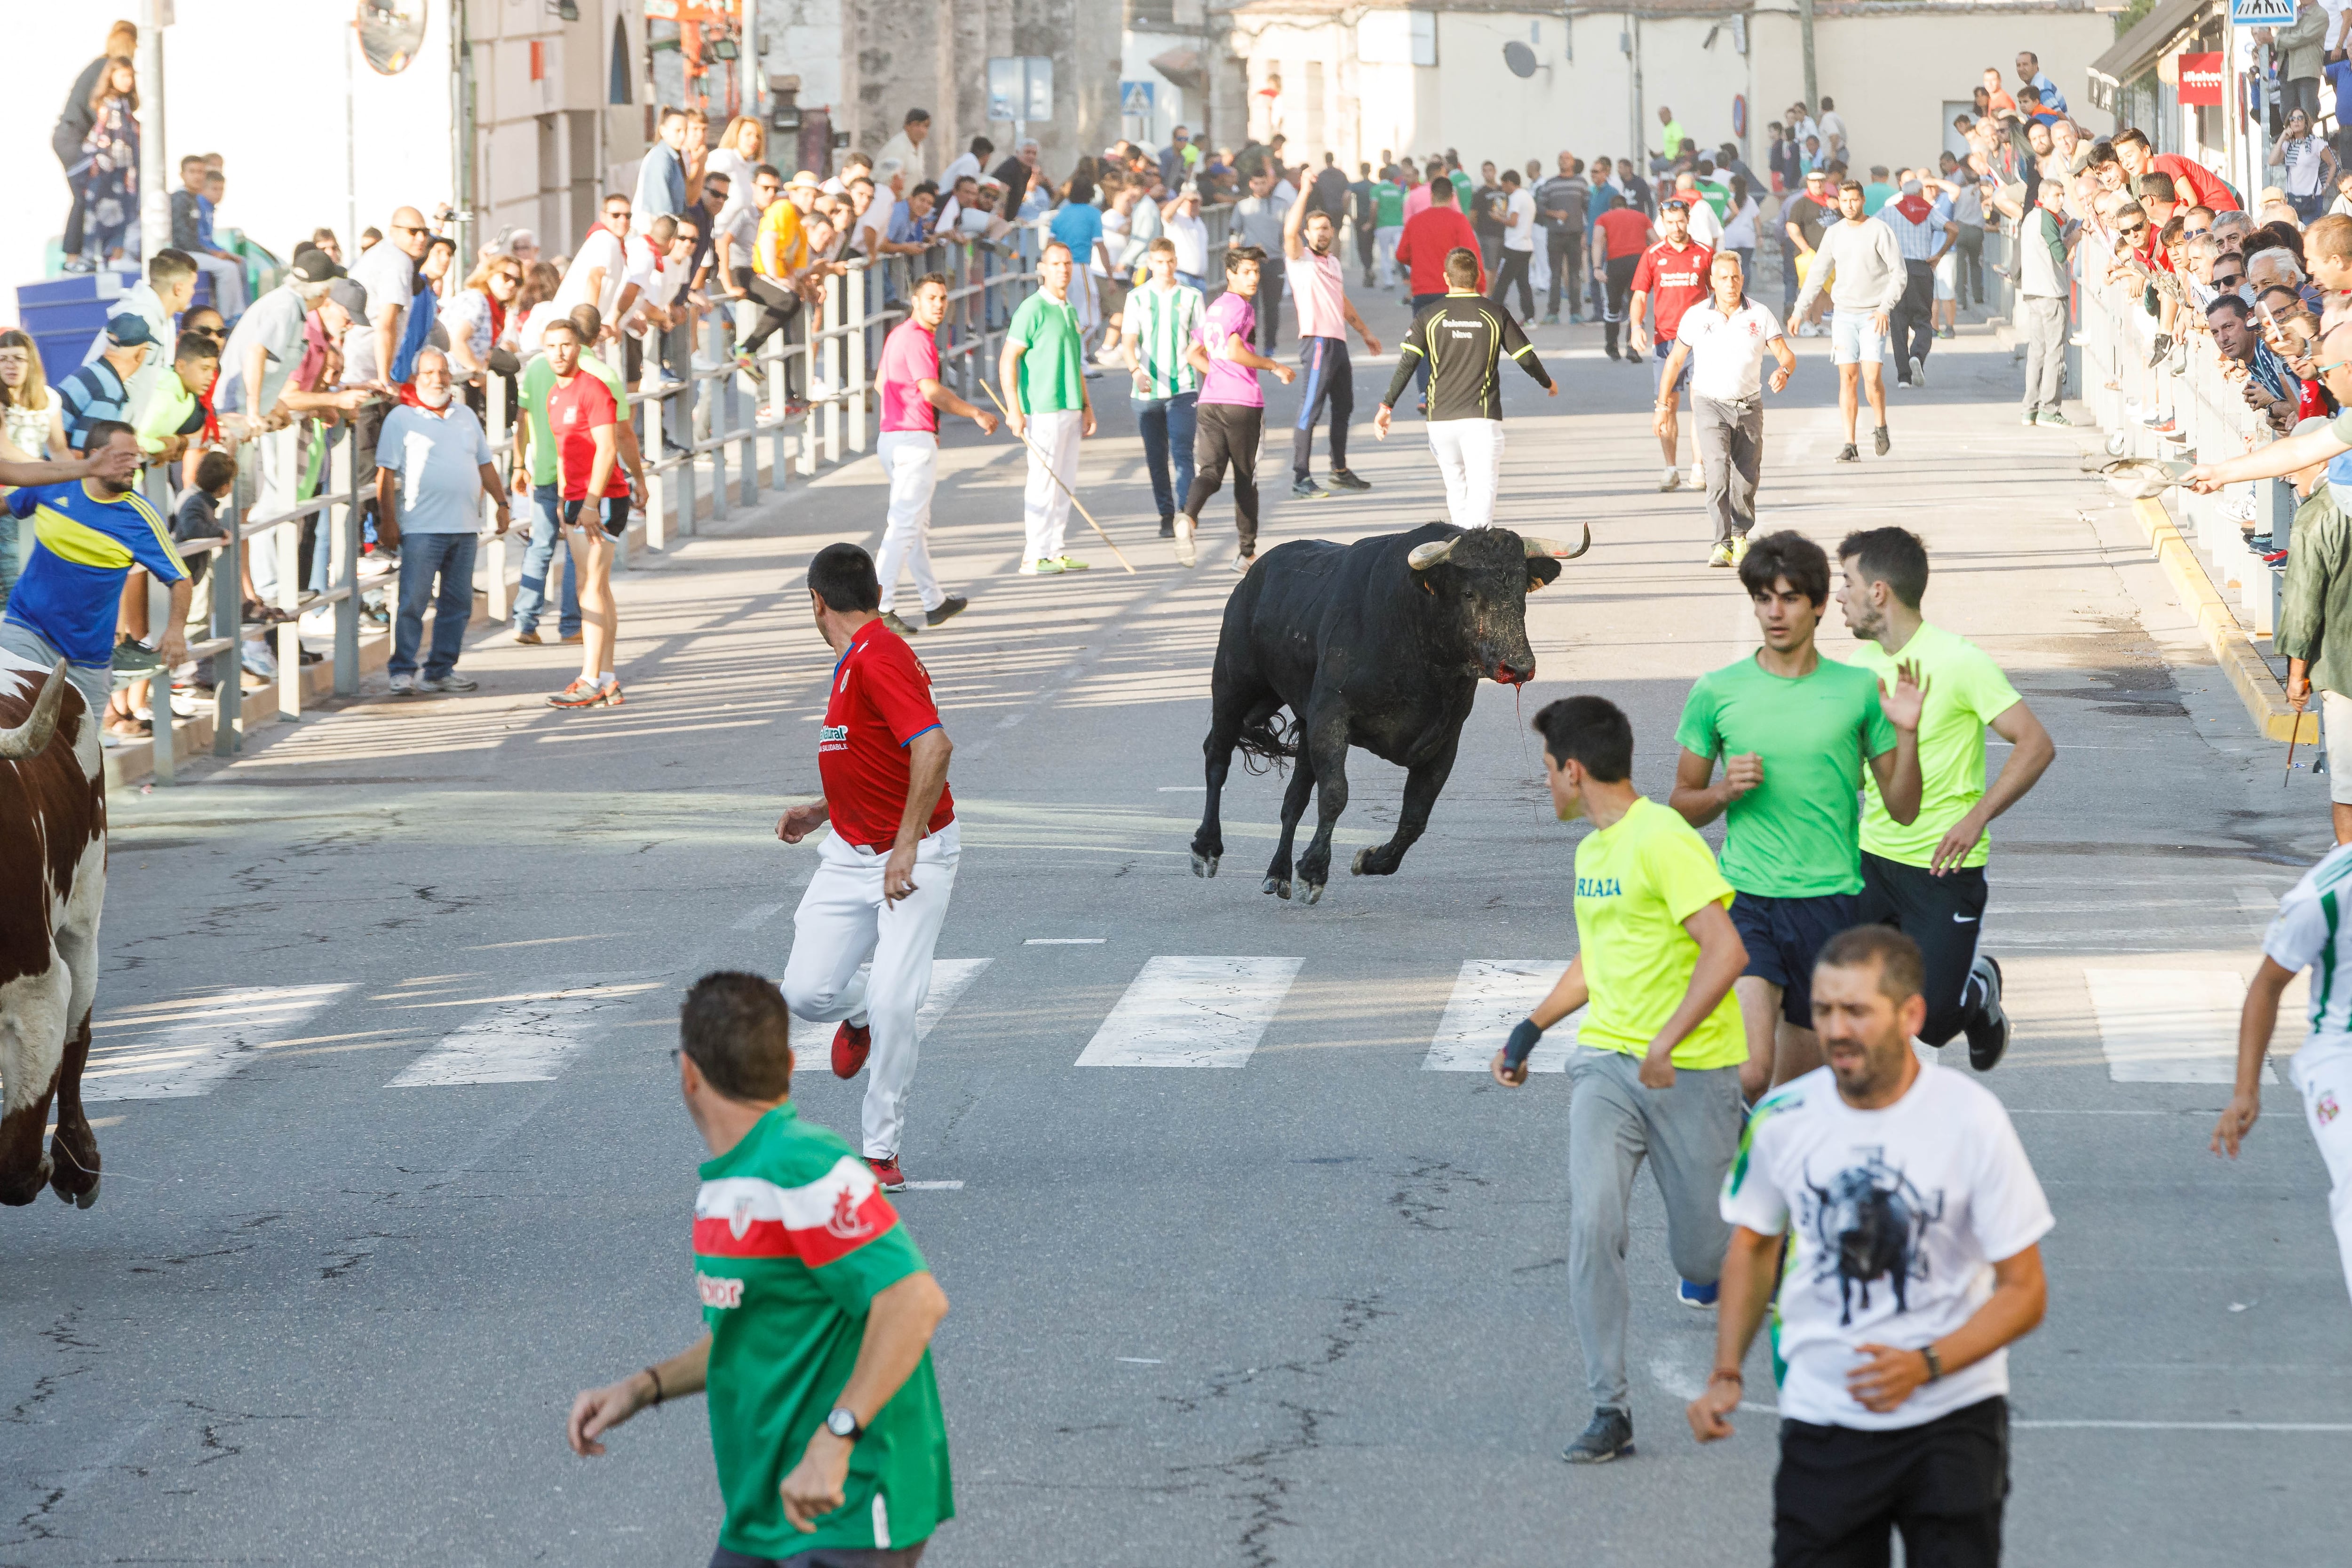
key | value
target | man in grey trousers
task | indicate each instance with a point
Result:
(1725, 338)
(2042, 242)
(1258, 219)
(1655, 1071)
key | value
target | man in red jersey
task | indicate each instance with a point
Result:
(881, 886)
(1431, 235)
(1670, 279)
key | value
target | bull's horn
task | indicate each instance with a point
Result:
(1539, 546)
(1423, 557)
(30, 738)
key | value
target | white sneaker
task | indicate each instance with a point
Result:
(1919, 373)
(403, 685)
(1698, 475)
(1241, 562)
(1671, 479)
(1186, 555)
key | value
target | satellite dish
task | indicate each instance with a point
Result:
(1519, 58)
(390, 32)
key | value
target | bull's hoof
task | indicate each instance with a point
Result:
(1357, 865)
(1312, 892)
(87, 1199)
(1276, 886)
(1204, 865)
(16, 1195)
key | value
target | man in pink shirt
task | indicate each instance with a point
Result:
(1320, 286)
(909, 449)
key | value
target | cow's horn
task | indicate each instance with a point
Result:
(1539, 546)
(1423, 557)
(30, 738)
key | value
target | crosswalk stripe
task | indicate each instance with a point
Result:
(168, 1050)
(1490, 995)
(1192, 1012)
(524, 1040)
(2169, 1026)
(950, 978)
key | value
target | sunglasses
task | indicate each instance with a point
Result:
(2230, 280)
(410, 229)
(2131, 230)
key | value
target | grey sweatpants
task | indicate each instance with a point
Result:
(1689, 1132)
(2041, 322)
(1730, 437)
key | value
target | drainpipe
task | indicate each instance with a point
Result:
(1805, 32)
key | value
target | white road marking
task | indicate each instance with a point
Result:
(759, 915)
(1065, 941)
(2169, 1026)
(935, 1186)
(1192, 1012)
(167, 1050)
(544, 941)
(950, 978)
(522, 1041)
(1490, 995)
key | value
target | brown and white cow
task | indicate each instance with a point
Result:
(52, 886)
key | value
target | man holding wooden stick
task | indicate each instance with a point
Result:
(1044, 375)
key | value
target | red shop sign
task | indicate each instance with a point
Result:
(2200, 80)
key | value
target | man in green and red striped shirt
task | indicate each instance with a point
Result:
(824, 1413)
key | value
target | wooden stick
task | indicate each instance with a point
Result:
(2292, 735)
(1056, 478)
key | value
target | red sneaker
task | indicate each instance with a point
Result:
(888, 1173)
(850, 1043)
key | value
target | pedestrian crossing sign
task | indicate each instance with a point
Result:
(2261, 13)
(1135, 97)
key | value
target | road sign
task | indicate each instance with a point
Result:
(1020, 88)
(2261, 13)
(1135, 97)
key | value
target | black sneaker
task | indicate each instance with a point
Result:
(1878, 440)
(1345, 478)
(1308, 490)
(1610, 348)
(1849, 453)
(953, 605)
(1168, 527)
(891, 621)
(1609, 1436)
(133, 657)
(1988, 1030)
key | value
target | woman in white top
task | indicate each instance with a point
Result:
(32, 430)
(2307, 163)
(743, 148)
(1739, 228)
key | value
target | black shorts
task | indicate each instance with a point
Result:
(1943, 915)
(1782, 936)
(1840, 1493)
(614, 514)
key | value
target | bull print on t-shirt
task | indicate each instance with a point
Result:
(1867, 1226)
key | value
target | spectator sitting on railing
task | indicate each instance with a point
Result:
(438, 465)
(604, 274)
(664, 327)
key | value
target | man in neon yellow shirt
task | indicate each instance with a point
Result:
(1656, 1071)
(1927, 878)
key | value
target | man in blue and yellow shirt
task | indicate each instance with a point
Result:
(85, 535)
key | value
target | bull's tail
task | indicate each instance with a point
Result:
(1268, 739)
(30, 738)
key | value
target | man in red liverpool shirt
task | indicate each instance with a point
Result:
(2198, 185)
(882, 881)
(1674, 273)
(1429, 235)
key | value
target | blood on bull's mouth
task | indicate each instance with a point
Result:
(1506, 676)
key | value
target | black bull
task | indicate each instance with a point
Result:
(1381, 644)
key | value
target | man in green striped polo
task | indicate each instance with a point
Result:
(1161, 320)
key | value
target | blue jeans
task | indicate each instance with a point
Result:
(540, 557)
(422, 557)
(1167, 424)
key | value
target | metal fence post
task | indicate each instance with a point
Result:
(856, 311)
(165, 745)
(750, 431)
(657, 419)
(286, 539)
(718, 453)
(340, 528)
(494, 390)
(228, 614)
(832, 370)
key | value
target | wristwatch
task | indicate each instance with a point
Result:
(1935, 1367)
(842, 1422)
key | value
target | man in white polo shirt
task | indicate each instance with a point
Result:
(1724, 337)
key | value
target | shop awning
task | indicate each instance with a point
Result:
(2134, 53)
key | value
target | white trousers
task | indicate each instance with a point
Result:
(1384, 244)
(2323, 1070)
(844, 922)
(229, 284)
(911, 461)
(1470, 458)
(1045, 506)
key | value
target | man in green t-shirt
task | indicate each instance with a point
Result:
(825, 1413)
(1793, 730)
(1043, 372)
(1388, 223)
(1656, 1071)
(1926, 877)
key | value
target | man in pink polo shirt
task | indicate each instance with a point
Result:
(1319, 285)
(909, 449)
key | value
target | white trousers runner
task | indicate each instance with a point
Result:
(1470, 458)
(2323, 1070)
(911, 461)
(1045, 506)
(844, 922)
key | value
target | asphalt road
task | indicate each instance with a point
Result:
(337, 1296)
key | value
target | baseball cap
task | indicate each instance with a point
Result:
(352, 298)
(311, 265)
(129, 331)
